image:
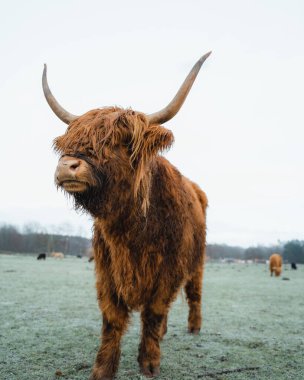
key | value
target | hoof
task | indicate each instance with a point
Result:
(150, 371)
(96, 376)
(194, 331)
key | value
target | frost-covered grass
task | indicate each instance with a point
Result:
(253, 324)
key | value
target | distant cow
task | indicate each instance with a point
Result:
(41, 256)
(79, 256)
(294, 266)
(275, 264)
(57, 255)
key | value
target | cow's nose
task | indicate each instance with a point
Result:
(71, 165)
(67, 169)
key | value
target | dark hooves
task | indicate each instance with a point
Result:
(150, 371)
(194, 331)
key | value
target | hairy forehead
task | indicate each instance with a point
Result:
(99, 127)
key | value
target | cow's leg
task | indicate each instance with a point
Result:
(149, 350)
(154, 326)
(115, 320)
(163, 328)
(193, 289)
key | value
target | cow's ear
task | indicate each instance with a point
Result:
(150, 141)
(157, 139)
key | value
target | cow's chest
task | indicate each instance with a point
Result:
(134, 275)
(134, 260)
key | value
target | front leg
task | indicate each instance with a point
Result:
(154, 324)
(115, 320)
(115, 315)
(149, 349)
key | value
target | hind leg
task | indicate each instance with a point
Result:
(193, 289)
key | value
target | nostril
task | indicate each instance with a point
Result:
(68, 165)
(74, 166)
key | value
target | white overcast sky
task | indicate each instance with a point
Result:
(239, 135)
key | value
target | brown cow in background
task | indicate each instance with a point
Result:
(149, 220)
(57, 255)
(275, 264)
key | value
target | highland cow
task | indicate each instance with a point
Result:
(149, 220)
(275, 264)
(57, 255)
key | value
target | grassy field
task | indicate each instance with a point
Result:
(50, 324)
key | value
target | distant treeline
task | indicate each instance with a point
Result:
(12, 240)
(292, 251)
(216, 251)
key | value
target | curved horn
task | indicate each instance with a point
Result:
(63, 115)
(174, 106)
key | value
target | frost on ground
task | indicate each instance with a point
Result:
(50, 324)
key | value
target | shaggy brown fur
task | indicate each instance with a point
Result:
(275, 264)
(149, 227)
